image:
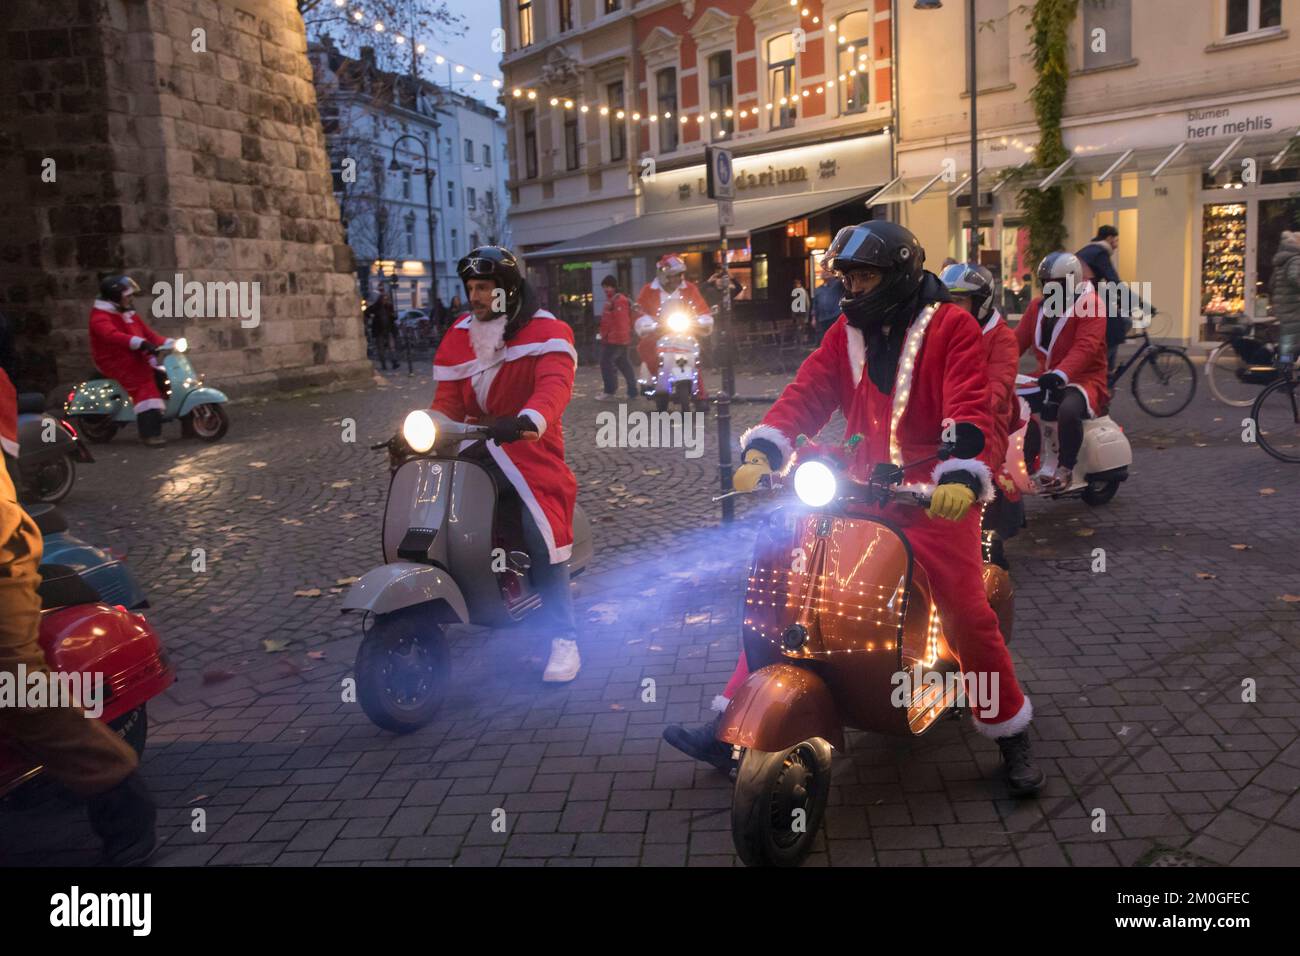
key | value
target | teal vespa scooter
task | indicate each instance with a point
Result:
(101, 406)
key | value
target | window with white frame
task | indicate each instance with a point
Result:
(471, 199)
(406, 183)
(721, 94)
(469, 150)
(409, 222)
(781, 93)
(1107, 33)
(487, 155)
(666, 92)
(992, 44)
(1251, 16)
(853, 61)
(529, 122)
(451, 195)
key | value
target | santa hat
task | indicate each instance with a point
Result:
(671, 265)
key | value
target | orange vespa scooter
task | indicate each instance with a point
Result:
(840, 630)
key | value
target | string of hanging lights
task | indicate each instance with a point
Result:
(400, 39)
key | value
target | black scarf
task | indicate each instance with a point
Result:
(884, 340)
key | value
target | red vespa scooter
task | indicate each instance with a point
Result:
(81, 634)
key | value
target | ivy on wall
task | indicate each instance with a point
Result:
(1049, 44)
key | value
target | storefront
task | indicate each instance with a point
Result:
(1200, 196)
(789, 205)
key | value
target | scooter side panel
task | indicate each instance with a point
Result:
(1105, 446)
(469, 530)
(403, 584)
(101, 396)
(111, 578)
(779, 706)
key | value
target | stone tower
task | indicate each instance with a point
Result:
(166, 137)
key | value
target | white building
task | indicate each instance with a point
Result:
(378, 128)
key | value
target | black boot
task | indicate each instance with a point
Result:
(1023, 775)
(124, 819)
(149, 424)
(701, 743)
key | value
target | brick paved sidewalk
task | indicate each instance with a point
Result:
(1136, 674)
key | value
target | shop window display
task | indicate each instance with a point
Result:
(1223, 261)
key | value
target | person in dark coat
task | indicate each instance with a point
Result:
(383, 325)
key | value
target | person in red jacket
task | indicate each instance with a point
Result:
(1066, 327)
(509, 365)
(971, 287)
(124, 348)
(669, 286)
(901, 364)
(615, 335)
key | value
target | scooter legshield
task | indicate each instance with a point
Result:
(779, 706)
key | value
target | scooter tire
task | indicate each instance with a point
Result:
(661, 402)
(1098, 493)
(766, 797)
(403, 668)
(67, 477)
(133, 727)
(216, 433)
(99, 429)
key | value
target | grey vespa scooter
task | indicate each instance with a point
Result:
(453, 552)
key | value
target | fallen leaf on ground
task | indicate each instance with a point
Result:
(257, 464)
(292, 521)
(345, 483)
(201, 796)
(1085, 532)
(273, 645)
(651, 472)
(307, 592)
(1240, 547)
(216, 675)
(254, 497)
(316, 655)
(641, 500)
(347, 580)
(1290, 598)
(1268, 491)
(1206, 575)
(615, 706)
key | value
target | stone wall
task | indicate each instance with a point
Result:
(168, 160)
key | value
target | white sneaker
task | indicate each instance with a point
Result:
(564, 663)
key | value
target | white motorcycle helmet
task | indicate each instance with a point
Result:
(1060, 267)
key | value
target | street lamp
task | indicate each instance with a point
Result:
(429, 173)
(974, 251)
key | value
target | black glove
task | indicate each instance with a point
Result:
(1051, 381)
(505, 430)
(148, 348)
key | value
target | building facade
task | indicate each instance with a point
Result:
(1181, 122)
(378, 127)
(612, 102)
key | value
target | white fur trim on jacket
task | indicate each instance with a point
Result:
(1056, 371)
(1006, 728)
(442, 373)
(105, 306)
(516, 478)
(719, 704)
(538, 419)
(776, 437)
(975, 467)
(136, 342)
(149, 404)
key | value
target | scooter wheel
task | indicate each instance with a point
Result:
(403, 668)
(207, 422)
(661, 402)
(682, 395)
(779, 802)
(1099, 492)
(52, 482)
(97, 428)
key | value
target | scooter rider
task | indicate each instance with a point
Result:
(971, 287)
(669, 285)
(901, 362)
(1066, 327)
(510, 365)
(83, 755)
(125, 348)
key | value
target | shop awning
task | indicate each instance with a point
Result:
(679, 227)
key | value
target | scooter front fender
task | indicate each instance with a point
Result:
(779, 706)
(405, 584)
(201, 396)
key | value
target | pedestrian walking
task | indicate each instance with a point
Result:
(615, 336)
(1284, 295)
(383, 327)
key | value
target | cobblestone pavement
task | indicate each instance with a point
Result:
(1136, 674)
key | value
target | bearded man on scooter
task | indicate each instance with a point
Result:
(510, 365)
(123, 347)
(902, 363)
(1066, 327)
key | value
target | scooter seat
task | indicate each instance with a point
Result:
(31, 403)
(49, 519)
(61, 586)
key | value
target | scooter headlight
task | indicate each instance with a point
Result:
(679, 322)
(419, 431)
(182, 345)
(814, 483)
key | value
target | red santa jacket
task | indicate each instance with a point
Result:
(532, 376)
(942, 374)
(1076, 349)
(8, 416)
(1002, 353)
(115, 340)
(652, 298)
(616, 320)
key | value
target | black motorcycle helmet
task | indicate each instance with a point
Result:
(885, 246)
(114, 287)
(963, 278)
(499, 264)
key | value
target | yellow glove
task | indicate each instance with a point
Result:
(755, 467)
(951, 501)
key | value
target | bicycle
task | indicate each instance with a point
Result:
(1164, 382)
(1242, 363)
(1278, 432)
